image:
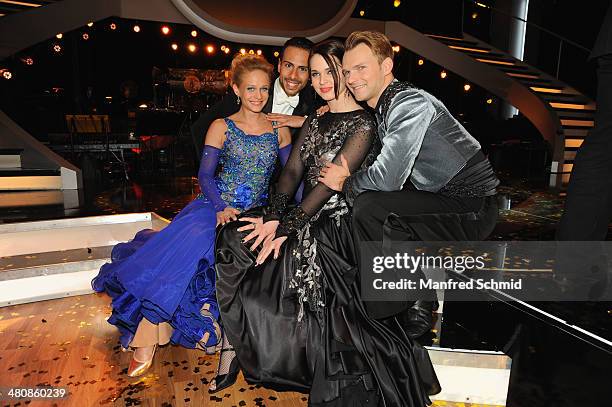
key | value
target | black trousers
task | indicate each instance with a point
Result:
(588, 207)
(412, 215)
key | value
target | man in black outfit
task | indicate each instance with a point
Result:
(290, 100)
(588, 207)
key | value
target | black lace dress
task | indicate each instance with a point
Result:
(298, 322)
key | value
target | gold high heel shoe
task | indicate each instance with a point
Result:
(138, 368)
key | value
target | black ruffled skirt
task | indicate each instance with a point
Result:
(335, 352)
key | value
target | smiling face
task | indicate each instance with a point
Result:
(293, 70)
(364, 74)
(253, 88)
(322, 78)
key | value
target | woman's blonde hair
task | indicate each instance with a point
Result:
(243, 64)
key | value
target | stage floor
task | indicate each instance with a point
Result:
(68, 343)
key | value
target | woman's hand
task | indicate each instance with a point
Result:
(269, 246)
(260, 231)
(226, 215)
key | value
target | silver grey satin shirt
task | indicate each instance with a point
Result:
(421, 141)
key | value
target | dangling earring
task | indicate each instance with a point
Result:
(238, 100)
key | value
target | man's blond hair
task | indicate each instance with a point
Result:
(376, 41)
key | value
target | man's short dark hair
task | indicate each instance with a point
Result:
(298, 42)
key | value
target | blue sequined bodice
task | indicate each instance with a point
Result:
(247, 164)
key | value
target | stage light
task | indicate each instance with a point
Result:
(59, 36)
(85, 36)
(467, 87)
(251, 52)
(165, 30)
(90, 24)
(397, 3)
(276, 54)
(489, 101)
(223, 48)
(362, 13)
(57, 48)
(113, 26)
(192, 48)
(136, 28)
(194, 33)
(443, 74)
(174, 46)
(258, 52)
(210, 49)
(474, 16)
(226, 50)
(420, 62)
(242, 51)
(6, 74)
(396, 48)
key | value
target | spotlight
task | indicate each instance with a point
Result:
(174, 46)
(85, 36)
(90, 24)
(276, 54)
(6, 74)
(396, 48)
(396, 3)
(222, 47)
(192, 48)
(28, 61)
(362, 13)
(136, 28)
(420, 62)
(194, 33)
(57, 48)
(443, 74)
(226, 50)
(467, 87)
(210, 49)
(113, 26)
(474, 16)
(489, 101)
(165, 30)
(242, 51)
(258, 52)
(59, 36)
(251, 52)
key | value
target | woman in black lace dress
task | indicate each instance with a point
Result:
(289, 302)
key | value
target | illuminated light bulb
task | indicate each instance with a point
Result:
(90, 24)
(113, 26)
(136, 28)
(467, 87)
(362, 13)
(396, 3)
(192, 48)
(57, 48)
(85, 36)
(420, 62)
(276, 54)
(489, 101)
(259, 52)
(242, 51)
(194, 33)
(165, 30)
(59, 36)
(174, 46)
(443, 74)
(210, 49)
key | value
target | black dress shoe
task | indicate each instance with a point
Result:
(418, 319)
(223, 381)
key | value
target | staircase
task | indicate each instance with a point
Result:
(576, 112)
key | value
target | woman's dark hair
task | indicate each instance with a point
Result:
(329, 49)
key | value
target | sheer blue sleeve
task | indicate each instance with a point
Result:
(283, 155)
(206, 176)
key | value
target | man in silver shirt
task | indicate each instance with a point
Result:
(430, 182)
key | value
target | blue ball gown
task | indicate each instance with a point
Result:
(169, 276)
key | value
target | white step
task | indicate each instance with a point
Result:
(54, 259)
